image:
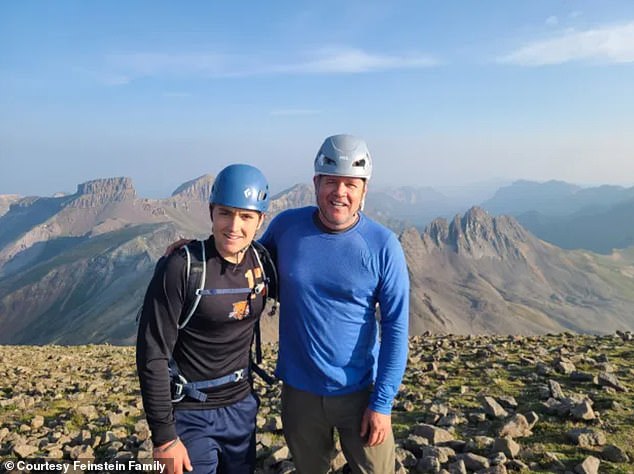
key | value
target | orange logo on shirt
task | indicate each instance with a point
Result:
(240, 310)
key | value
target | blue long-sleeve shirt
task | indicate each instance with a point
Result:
(330, 284)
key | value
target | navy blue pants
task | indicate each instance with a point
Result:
(220, 440)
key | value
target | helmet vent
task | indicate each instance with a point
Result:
(329, 161)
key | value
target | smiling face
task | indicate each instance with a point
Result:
(234, 230)
(339, 199)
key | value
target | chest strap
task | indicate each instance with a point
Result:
(257, 289)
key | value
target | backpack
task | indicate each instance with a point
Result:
(195, 274)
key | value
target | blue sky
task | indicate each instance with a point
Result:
(445, 93)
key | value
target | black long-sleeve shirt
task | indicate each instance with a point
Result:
(214, 343)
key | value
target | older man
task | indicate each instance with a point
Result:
(335, 265)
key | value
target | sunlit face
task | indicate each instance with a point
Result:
(234, 229)
(339, 199)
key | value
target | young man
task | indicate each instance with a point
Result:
(334, 266)
(208, 427)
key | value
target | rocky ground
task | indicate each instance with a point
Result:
(484, 404)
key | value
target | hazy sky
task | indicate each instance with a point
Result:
(444, 92)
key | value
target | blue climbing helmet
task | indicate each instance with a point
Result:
(241, 186)
(344, 155)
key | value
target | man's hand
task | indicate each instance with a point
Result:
(173, 455)
(376, 426)
(175, 246)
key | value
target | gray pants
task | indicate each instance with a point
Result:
(309, 422)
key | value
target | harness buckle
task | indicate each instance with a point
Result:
(239, 375)
(178, 389)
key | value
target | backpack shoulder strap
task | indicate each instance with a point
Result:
(195, 273)
(271, 282)
(270, 272)
(262, 251)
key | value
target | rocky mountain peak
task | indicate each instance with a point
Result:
(476, 225)
(108, 186)
(197, 189)
(476, 234)
(438, 231)
(102, 191)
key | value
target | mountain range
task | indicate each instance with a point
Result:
(484, 274)
(74, 268)
(599, 218)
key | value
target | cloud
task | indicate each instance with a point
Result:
(216, 65)
(612, 44)
(552, 21)
(355, 61)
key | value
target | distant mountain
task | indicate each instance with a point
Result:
(597, 219)
(39, 228)
(523, 196)
(198, 189)
(597, 230)
(555, 198)
(73, 269)
(483, 274)
(6, 200)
